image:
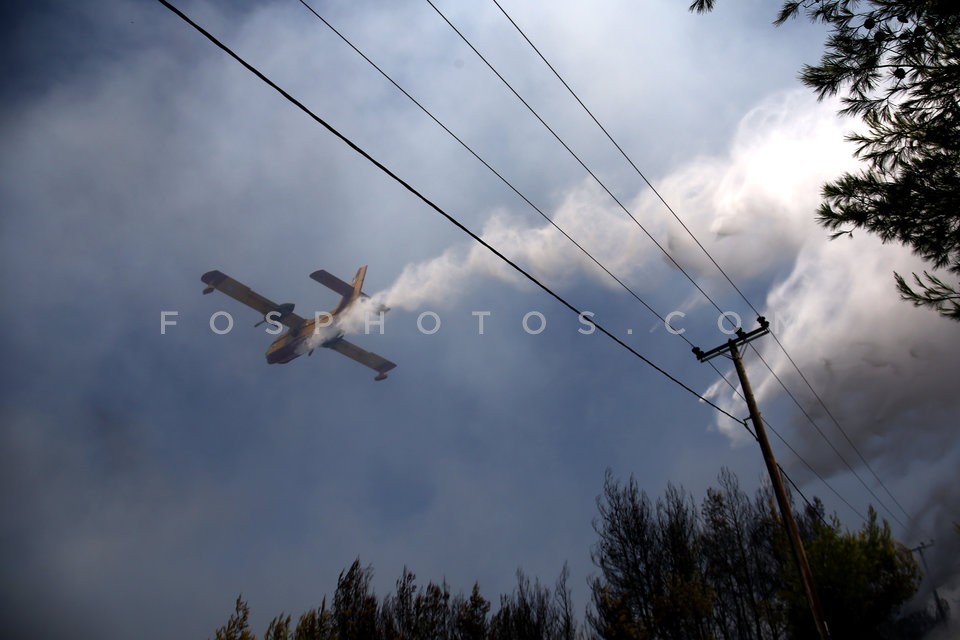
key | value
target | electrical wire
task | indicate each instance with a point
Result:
(827, 440)
(503, 179)
(486, 164)
(499, 175)
(784, 473)
(453, 220)
(796, 453)
(728, 279)
(617, 200)
(839, 427)
(622, 152)
(575, 156)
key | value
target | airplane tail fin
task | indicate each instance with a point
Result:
(357, 287)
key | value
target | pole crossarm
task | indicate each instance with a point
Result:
(741, 339)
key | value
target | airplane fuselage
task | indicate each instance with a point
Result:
(291, 344)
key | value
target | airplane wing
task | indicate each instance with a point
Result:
(378, 363)
(242, 293)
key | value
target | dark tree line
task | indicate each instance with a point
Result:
(669, 569)
(531, 612)
(666, 569)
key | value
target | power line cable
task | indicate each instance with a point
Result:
(498, 174)
(813, 508)
(826, 439)
(725, 275)
(546, 217)
(707, 253)
(462, 227)
(554, 224)
(796, 453)
(839, 427)
(486, 164)
(436, 207)
(623, 153)
(574, 155)
(783, 472)
(617, 200)
(602, 185)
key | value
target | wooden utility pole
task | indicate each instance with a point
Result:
(779, 490)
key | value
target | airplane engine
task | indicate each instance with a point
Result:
(280, 312)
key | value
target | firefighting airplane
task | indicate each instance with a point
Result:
(293, 343)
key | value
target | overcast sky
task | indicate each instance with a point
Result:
(149, 478)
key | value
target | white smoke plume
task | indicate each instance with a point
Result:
(753, 209)
(886, 370)
(877, 362)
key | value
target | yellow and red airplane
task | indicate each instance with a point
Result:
(294, 342)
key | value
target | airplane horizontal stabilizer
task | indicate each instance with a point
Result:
(331, 281)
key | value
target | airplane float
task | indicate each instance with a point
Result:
(294, 342)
